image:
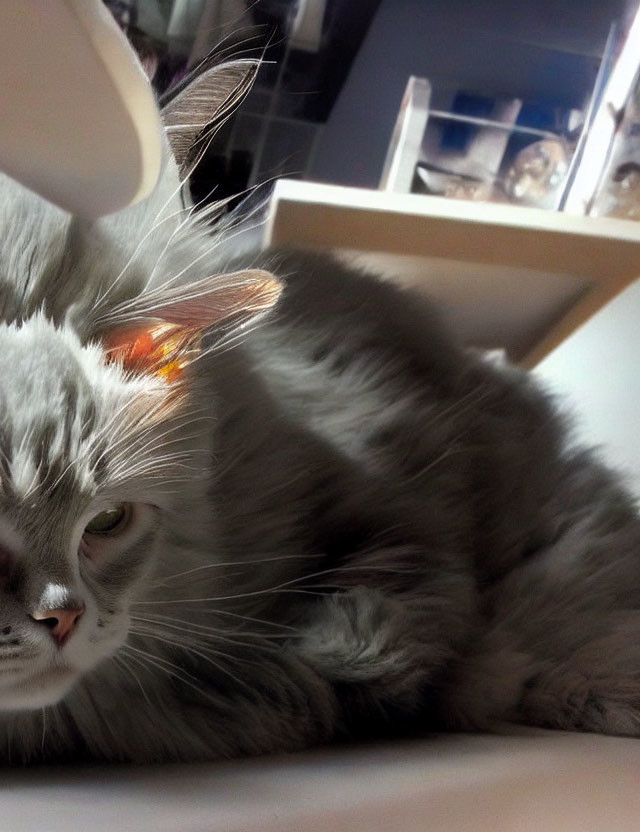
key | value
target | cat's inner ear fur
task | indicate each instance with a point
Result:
(194, 109)
(161, 332)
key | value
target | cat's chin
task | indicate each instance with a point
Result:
(44, 688)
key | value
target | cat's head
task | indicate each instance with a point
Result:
(101, 419)
(95, 437)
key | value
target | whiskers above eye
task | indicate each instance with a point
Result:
(198, 224)
(156, 224)
(150, 437)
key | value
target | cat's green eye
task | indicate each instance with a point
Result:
(111, 521)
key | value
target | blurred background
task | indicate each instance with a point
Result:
(507, 92)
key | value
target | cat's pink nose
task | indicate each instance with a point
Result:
(61, 623)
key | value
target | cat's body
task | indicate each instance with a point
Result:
(339, 524)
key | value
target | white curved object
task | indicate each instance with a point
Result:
(78, 120)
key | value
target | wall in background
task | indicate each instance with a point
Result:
(541, 50)
(596, 373)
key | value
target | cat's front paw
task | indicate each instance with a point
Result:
(365, 644)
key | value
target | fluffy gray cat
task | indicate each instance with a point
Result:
(230, 531)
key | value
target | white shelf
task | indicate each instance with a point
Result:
(521, 278)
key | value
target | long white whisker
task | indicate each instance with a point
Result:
(199, 653)
(211, 632)
(269, 559)
(256, 592)
(177, 230)
(99, 301)
(44, 728)
(180, 642)
(155, 661)
(119, 660)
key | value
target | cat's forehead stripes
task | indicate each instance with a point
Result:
(64, 413)
(51, 457)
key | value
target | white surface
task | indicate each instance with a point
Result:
(492, 307)
(596, 371)
(404, 148)
(465, 212)
(568, 783)
(567, 252)
(78, 121)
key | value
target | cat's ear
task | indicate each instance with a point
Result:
(194, 109)
(161, 332)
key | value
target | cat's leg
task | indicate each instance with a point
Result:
(383, 655)
(194, 706)
(559, 645)
(596, 688)
(551, 661)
